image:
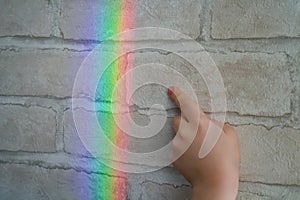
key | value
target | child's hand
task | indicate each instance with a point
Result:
(215, 176)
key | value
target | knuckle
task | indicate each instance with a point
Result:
(229, 129)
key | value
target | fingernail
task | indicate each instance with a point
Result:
(170, 92)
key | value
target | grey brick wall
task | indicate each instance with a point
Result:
(255, 45)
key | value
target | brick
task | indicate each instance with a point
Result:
(269, 156)
(31, 182)
(75, 145)
(250, 80)
(92, 20)
(164, 191)
(42, 73)
(255, 19)
(256, 83)
(27, 129)
(25, 18)
(150, 94)
(72, 141)
(49, 73)
(172, 15)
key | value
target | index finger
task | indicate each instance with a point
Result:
(188, 107)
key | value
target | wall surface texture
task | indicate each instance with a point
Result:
(255, 45)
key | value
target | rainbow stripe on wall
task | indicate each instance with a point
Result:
(120, 17)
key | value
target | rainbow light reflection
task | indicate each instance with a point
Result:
(117, 16)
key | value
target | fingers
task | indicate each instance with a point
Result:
(211, 138)
(219, 124)
(176, 122)
(179, 142)
(188, 107)
(184, 129)
(228, 129)
(225, 127)
(179, 146)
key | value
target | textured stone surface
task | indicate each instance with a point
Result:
(24, 18)
(171, 15)
(91, 20)
(31, 182)
(163, 191)
(250, 81)
(42, 73)
(256, 83)
(252, 191)
(296, 95)
(255, 19)
(247, 191)
(27, 129)
(74, 141)
(52, 73)
(270, 156)
(151, 94)
(255, 45)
